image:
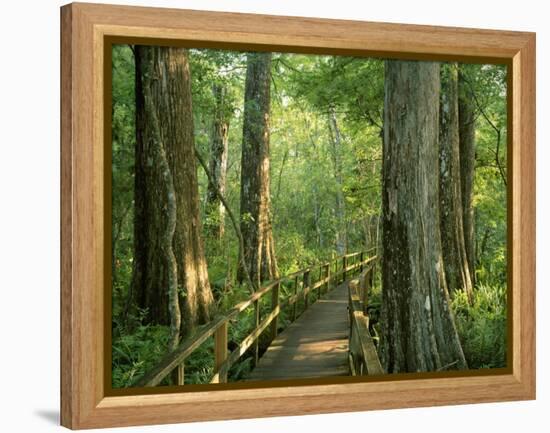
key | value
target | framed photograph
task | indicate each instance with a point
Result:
(265, 215)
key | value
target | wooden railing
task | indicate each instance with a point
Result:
(328, 275)
(363, 357)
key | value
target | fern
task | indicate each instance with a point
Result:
(482, 326)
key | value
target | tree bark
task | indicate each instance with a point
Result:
(259, 251)
(457, 271)
(466, 129)
(169, 209)
(418, 330)
(163, 73)
(218, 163)
(336, 140)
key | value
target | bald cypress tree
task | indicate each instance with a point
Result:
(467, 141)
(166, 190)
(457, 269)
(418, 330)
(259, 249)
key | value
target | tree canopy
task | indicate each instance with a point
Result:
(326, 129)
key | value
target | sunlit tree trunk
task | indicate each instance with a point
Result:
(418, 330)
(259, 250)
(371, 225)
(466, 119)
(317, 213)
(163, 92)
(218, 162)
(457, 271)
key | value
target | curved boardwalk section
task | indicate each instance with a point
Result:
(315, 345)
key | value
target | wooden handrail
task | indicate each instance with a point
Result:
(219, 326)
(363, 357)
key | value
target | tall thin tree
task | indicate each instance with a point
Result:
(418, 330)
(340, 209)
(218, 161)
(259, 250)
(467, 139)
(457, 270)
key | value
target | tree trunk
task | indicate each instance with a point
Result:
(256, 229)
(466, 129)
(371, 225)
(418, 330)
(317, 213)
(163, 74)
(457, 271)
(336, 140)
(169, 212)
(218, 163)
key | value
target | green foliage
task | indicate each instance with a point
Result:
(304, 186)
(135, 353)
(488, 82)
(304, 182)
(123, 144)
(482, 326)
(199, 367)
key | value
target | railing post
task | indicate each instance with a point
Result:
(180, 374)
(319, 289)
(256, 348)
(365, 290)
(372, 270)
(361, 261)
(327, 275)
(220, 350)
(306, 289)
(295, 306)
(344, 266)
(274, 304)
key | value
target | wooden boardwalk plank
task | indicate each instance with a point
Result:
(315, 345)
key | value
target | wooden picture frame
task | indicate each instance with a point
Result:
(85, 28)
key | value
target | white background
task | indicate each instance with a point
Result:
(29, 220)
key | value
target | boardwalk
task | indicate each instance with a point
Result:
(315, 345)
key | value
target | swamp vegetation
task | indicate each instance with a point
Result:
(230, 169)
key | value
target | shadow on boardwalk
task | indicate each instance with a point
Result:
(315, 345)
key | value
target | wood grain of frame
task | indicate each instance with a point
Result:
(85, 28)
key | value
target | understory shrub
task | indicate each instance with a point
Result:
(482, 326)
(136, 353)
